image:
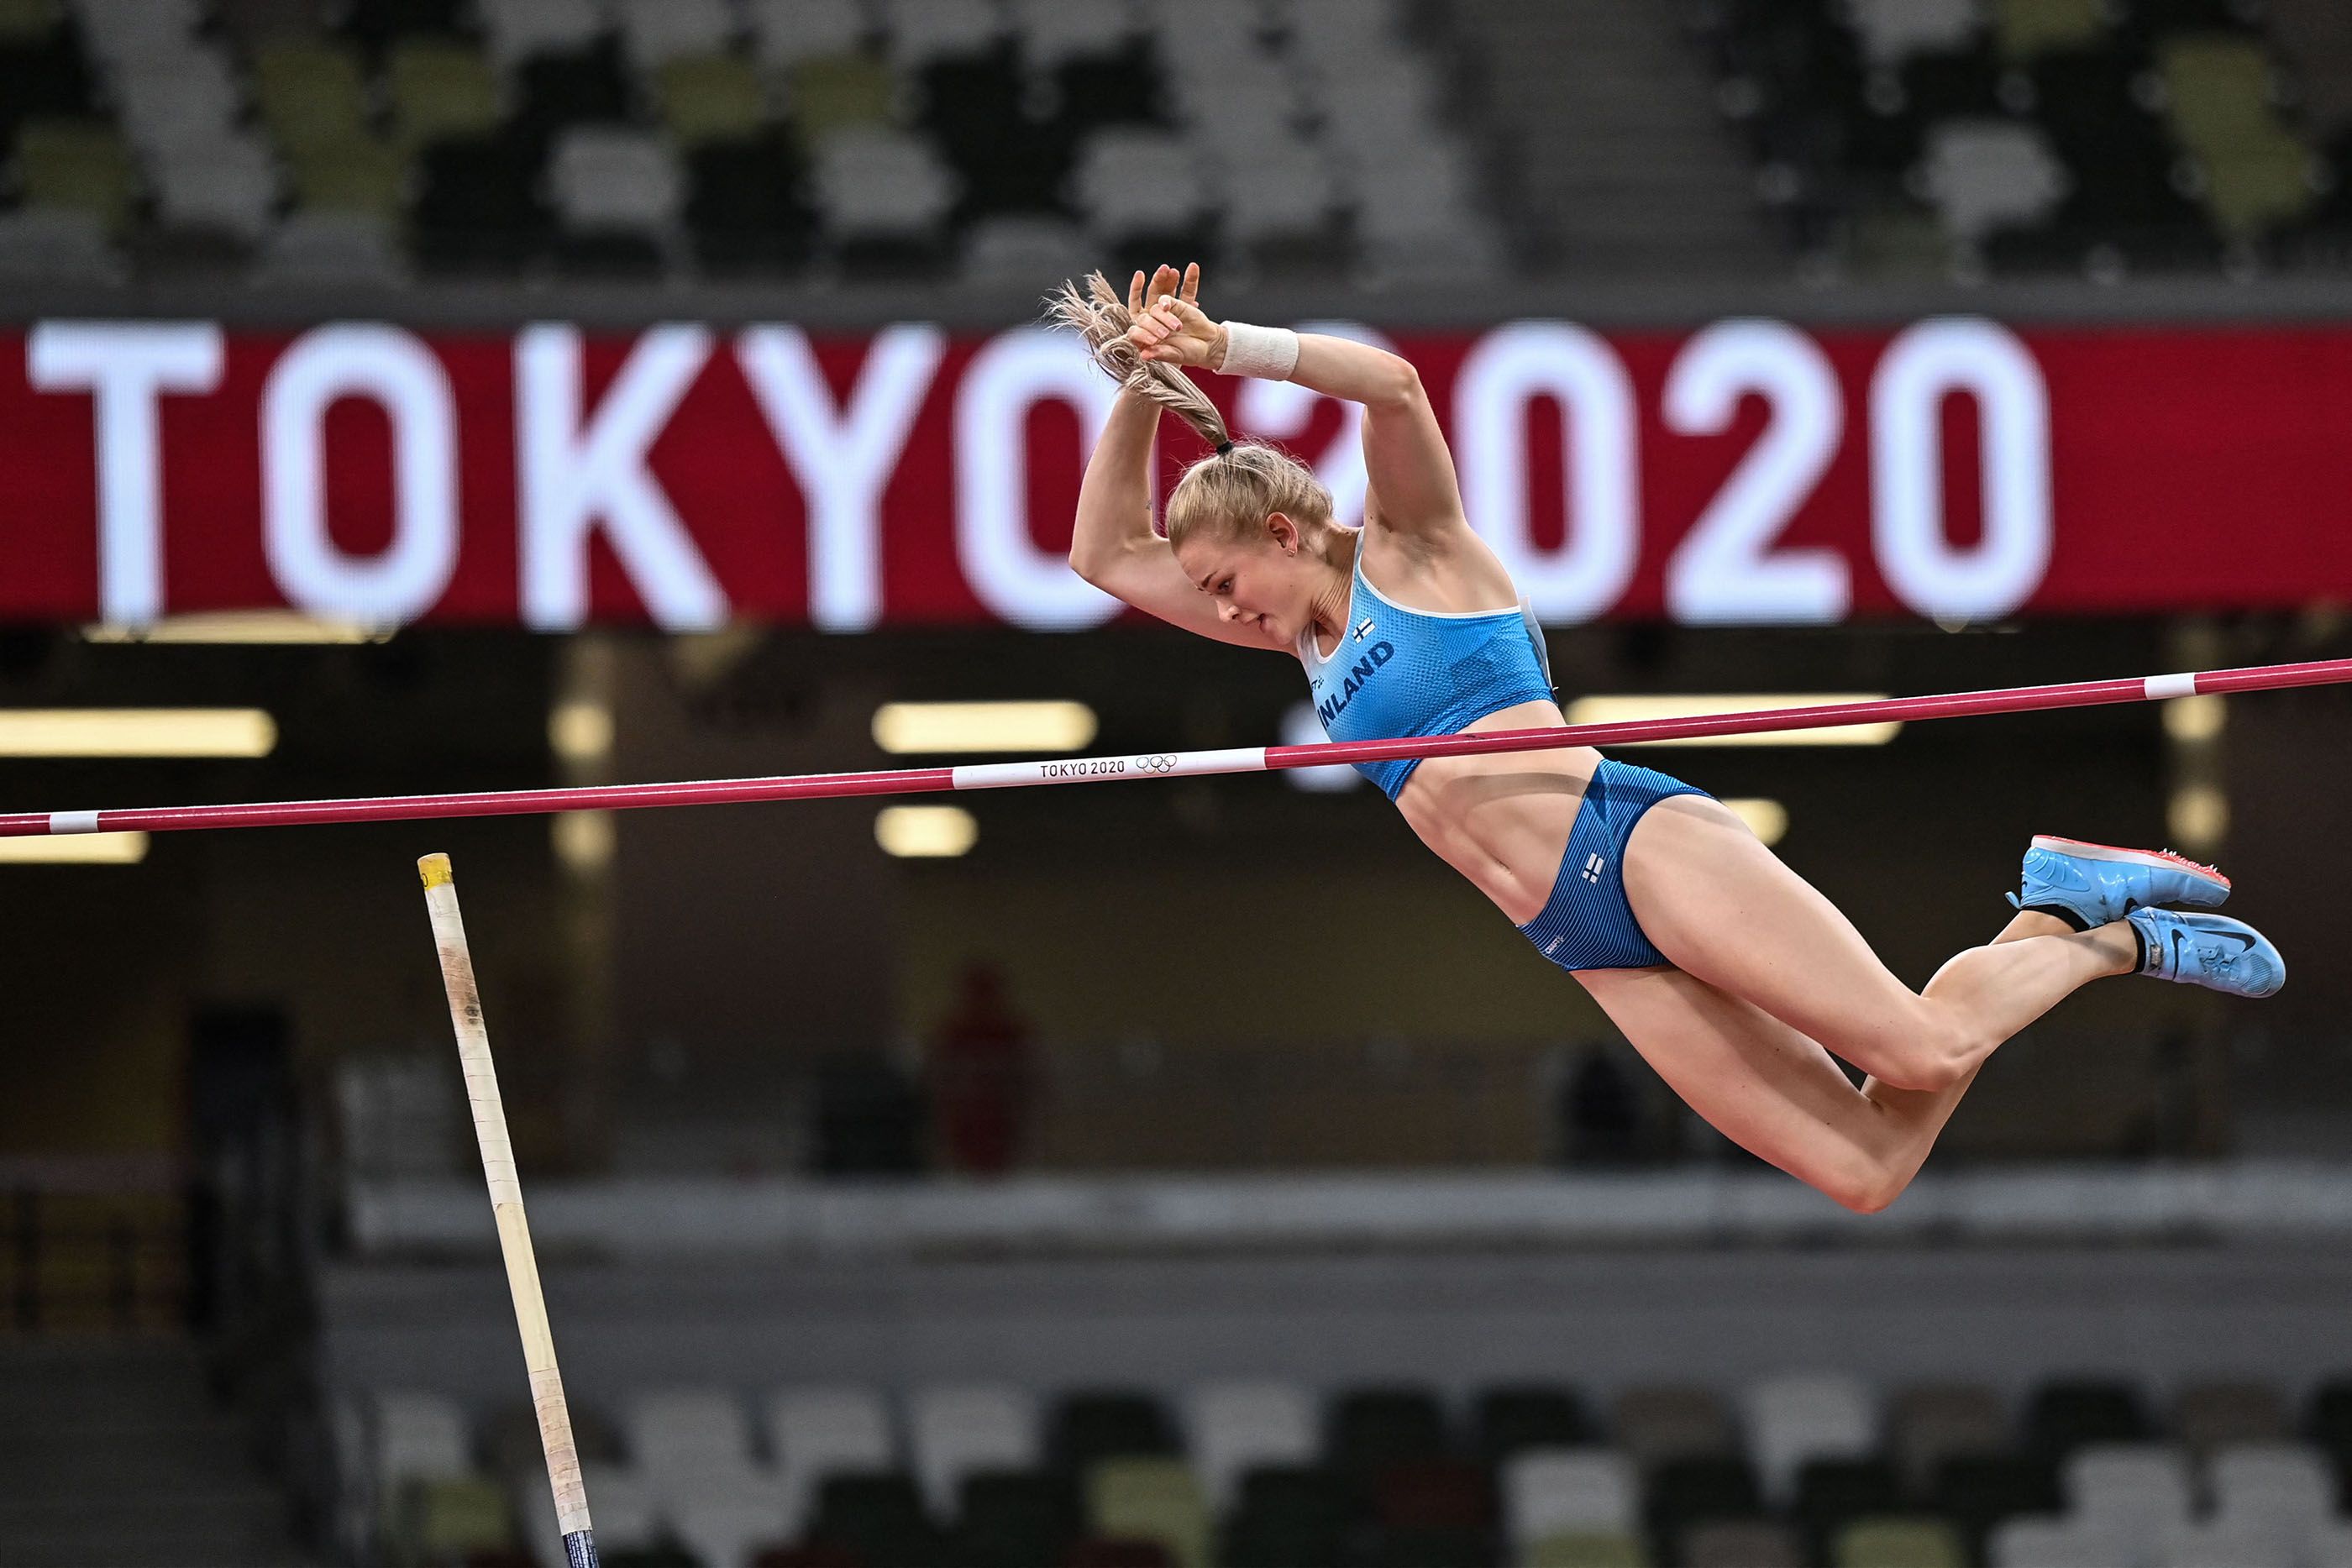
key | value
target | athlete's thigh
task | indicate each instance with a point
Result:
(1759, 1082)
(1722, 908)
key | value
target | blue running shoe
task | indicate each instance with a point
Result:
(2092, 885)
(2209, 950)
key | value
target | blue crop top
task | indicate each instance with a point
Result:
(1400, 672)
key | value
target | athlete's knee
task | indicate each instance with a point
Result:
(1913, 1046)
(1866, 1185)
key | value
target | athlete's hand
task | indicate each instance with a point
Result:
(1169, 328)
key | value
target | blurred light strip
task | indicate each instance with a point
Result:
(246, 628)
(137, 731)
(75, 849)
(925, 833)
(1768, 819)
(1621, 710)
(901, 728)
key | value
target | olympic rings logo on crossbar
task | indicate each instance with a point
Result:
(1159, 762)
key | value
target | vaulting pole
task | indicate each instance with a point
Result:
(506, 1205)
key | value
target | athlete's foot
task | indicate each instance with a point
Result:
(2209, 950)
(2090, 885)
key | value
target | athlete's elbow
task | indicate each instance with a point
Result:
(1399, 385)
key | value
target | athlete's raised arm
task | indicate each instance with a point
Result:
(1113, 545)
(1413, 490)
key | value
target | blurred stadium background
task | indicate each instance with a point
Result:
(430, 394)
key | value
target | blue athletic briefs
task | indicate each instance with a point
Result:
(1400, 672)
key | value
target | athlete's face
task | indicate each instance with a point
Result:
(1261, 580)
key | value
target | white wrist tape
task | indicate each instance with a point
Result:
(1269, 353)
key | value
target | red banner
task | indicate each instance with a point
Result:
(1749, 473)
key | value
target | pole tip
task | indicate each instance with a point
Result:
(434, 870)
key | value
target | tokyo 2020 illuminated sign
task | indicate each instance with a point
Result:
(1749, 473)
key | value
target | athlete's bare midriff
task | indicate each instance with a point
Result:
(1503, 820)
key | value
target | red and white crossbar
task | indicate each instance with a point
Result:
(1164, 764)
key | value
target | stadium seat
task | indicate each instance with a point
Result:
(478, 205)
(1831, 1494)
(441, 1520)
(418, 1437)
(675, 1433)
(1657, 1423)
(1505, 1419)
(517, 30)
(880, 1517)
(2282, 1483)
(555, 91)
(1368, 1429)
(1142, 196)
(1893, 30)
(440, 91)
(310, 92)
(973, 108)
(2225, 1543)
(1415, 219)
(954, 1432)
(2133, 1490)
(726, 1510)
(76, 166)
(1096, 1551)
(1232, 1428)
(42, 72)
(786, 31)
(1014, 1518)
(655, 32)
(1434, 1495)
(173, 101)
(817, 1433)
(1582, 1551)
(1987, 175)
(1153, 1500)
(2042, 1542)
(1552, 1491)
(323, 249)
(2030, 28)
(365, 177)
(923, 31)
(1695, 1489)
(806, 1554)
(703, 99)
(1287, 1515)
(827, 95)
(1980, 1490)
(1091, 1426)
(747, 208)
(2219, 95)
(1428, 1547)
(618, 195)
(1893, 1542)
(377, 23)
(1281, 206)
(1931, 1423)
(1791, 1421)
(1741, 1544)
(2210, 1417)
(886, 198)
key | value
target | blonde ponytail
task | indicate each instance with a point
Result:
(1238, 486)
(1101, 318)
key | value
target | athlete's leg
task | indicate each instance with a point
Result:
(1775, 1093)
(1721, 906)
